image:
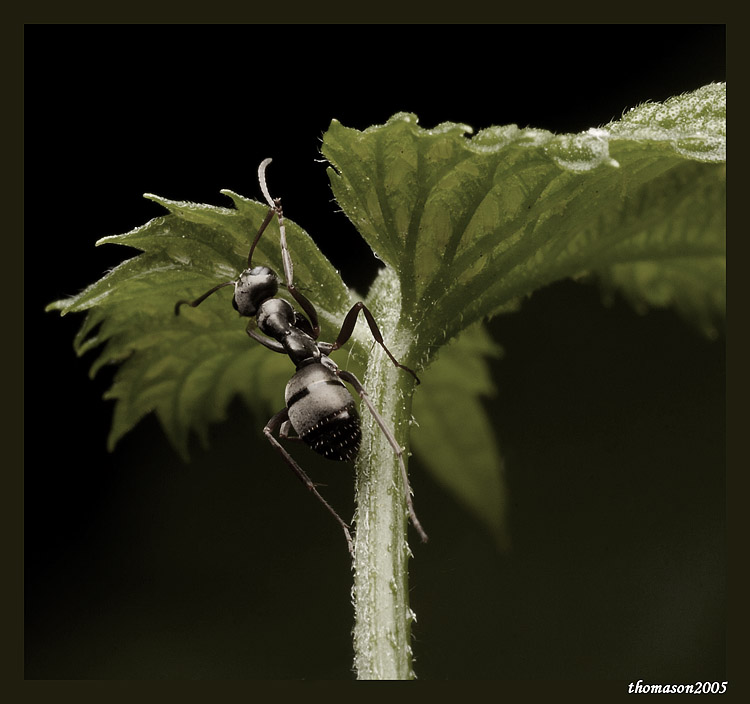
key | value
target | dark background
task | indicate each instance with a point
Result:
(612, 423)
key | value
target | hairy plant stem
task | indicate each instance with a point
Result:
(382, 628)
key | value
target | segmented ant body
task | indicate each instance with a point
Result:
(319, 407)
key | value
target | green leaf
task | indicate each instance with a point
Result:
(471, 225)
(187, 368)
(453, 435)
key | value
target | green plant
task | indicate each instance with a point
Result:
(466, 228)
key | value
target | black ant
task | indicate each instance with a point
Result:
(319, 407)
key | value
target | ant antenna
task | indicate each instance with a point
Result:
(200, 299)
(263, 226)
(275, 205)
(263, 187)
(275, 210)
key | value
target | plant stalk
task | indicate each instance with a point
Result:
(382, 627)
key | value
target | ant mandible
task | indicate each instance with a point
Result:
(319, 407)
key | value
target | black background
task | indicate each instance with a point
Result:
(612, 423)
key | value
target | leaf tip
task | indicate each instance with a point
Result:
(155, 198)
(60, 305)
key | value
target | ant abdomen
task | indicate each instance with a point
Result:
(323, 412)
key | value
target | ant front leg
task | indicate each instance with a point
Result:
(398, 451)
(200, 299)
(347, 328)
(264, 340)
(286, 257)
(280, 422)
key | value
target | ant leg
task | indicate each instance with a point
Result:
(286, 257)
(350, 378)
(347, 328)
(265, 341)
(200, 299)
(286, 426)
(272, 426)
(301, 322)
(309, 309)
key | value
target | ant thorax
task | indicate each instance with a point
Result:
(275, 317)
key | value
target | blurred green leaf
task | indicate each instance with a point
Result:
(454, 437)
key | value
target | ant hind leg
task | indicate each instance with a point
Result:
(398, 451)
(279, 423)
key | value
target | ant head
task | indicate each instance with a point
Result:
(252, 288)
